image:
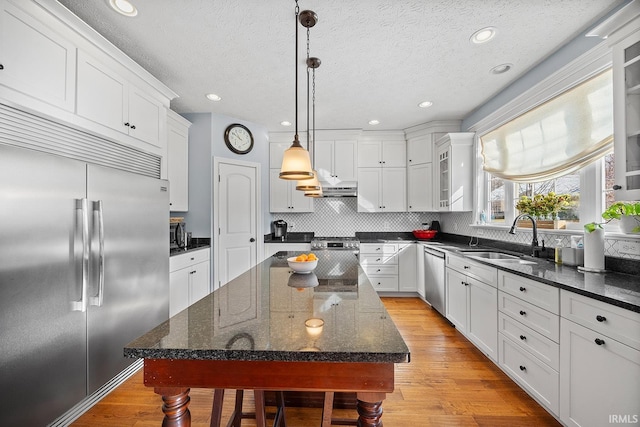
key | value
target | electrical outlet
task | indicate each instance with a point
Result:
(291, 225)
(627, 247)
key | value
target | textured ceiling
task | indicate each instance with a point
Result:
(380, 58)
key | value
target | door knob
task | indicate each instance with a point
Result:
(252, 240)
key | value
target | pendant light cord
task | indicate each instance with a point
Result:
(297, 15)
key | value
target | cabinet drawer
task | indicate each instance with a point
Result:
(381, 270)
(538, 345)
(366, 260)
(615, 322)
(379, 249)
(540, 294)
(484, 273)
(542, 382)
(384, 283)
(178, 262)
(541, 321)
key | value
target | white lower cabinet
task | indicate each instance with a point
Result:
(188, 279)
(599, 374)
(380, 263)
(472, 302)
(407, 267)
(529, 335)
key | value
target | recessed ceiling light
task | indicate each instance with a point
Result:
(483, 35)
(374, 122)
(213, 97)
(425, 104)
(502, 68)
(285, 123)
(123, 7)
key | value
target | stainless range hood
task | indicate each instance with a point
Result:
(343, 191)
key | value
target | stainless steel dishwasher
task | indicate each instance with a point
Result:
(434, 275)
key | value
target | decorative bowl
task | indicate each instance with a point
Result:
(302, 267)
(425, 234)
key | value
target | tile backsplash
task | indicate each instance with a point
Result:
(340, 217)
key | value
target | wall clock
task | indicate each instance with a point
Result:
(238, 138)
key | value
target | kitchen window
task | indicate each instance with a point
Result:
(532, 132)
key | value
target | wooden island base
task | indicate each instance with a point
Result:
(173, 378)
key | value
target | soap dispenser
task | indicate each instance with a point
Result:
(558, 251)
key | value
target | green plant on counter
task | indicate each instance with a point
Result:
(543, 206)
(616, 211)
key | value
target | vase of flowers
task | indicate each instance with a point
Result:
(545, 209)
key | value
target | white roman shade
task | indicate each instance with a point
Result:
(555, 138)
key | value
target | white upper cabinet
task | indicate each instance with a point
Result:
(336, 161)
(283, 196)
(382, 190)
(178, 161)
(454, 172)
(37, 61)
(420, 188)
(108, 98)
(386, 153)
(419, 151)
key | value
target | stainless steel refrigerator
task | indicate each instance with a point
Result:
(84, 268)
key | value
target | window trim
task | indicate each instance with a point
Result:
(577, 71)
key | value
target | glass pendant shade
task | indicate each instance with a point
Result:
(314, 193)
(296, 164)
(309, 184)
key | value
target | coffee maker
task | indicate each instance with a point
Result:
(279, 229)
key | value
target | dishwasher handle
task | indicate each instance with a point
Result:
(434, 253)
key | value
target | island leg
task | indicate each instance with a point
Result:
(370, 409)
(175, 407)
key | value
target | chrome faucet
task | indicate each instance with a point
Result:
(534, 242)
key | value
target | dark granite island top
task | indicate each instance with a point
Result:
(251, 334)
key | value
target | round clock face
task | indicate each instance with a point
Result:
(238, 138)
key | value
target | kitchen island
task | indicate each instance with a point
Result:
(253, 333)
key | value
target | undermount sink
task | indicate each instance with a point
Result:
(498, 257)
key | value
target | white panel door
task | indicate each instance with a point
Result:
(237, 214)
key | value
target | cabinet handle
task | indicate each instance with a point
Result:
(522, 313)
(378, 270)
(599, 341)
(378, 259)
(133, 126)
(523, 338)
(617, 187)
(466, 267)
(601, 318)
(127, 124)
(1, 67)
(252, 240)
(523, 368)
(192, 259)
(522, 289)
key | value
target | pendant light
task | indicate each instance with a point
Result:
(314, 63)
(312, 184)
(296, 164)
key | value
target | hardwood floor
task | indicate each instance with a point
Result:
(448, 383)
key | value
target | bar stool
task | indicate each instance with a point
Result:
(327, 413)
(237, 415)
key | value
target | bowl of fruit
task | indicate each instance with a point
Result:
(303, 264)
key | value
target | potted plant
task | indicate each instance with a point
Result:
(545, 208)
(627, 212)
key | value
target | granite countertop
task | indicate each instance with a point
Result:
(261, 315)
(190, 248)
(290, 238)
(622, 290)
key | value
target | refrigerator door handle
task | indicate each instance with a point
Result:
(83, 206)
(99, 297)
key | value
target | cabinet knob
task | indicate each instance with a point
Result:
(523, 313)
(523, 338)
(599, 341)
(601, 318)
(523, 368)
(1, 67)
(466, 267)
(522, 289)
(252, 240)
(133, 126)
(127, 124)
